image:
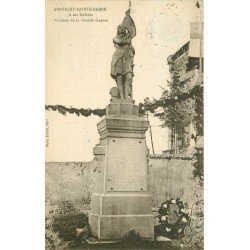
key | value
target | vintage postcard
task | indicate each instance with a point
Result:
(124, 124)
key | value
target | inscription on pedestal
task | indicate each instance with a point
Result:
(127, 165)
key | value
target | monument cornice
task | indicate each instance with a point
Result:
(121, 123)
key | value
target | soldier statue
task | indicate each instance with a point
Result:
(122, 60)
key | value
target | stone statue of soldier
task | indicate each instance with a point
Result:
(122, 60)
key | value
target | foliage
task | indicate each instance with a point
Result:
(52, 239)
(172, 105)
(170, 157)
(178, 110)
(83, 112)
(199, 111)
(199, 163)
(133, 240)
(194, 233)
(66, 225)
(61, 222)
(177, 116)
(183, 102)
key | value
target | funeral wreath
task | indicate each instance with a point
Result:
(174, 217)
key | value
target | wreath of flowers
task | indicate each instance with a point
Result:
(168, 229)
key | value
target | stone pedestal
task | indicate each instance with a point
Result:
(121, 201)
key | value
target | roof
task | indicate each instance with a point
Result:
(180, 51)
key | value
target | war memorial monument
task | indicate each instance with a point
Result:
(121, 201)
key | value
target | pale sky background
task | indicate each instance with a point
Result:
(78, 58)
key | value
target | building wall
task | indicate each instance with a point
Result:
(73, 181)
(170, 178)
(187, 69)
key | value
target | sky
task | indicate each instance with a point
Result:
(78, 58)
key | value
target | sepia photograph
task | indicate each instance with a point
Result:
(124, 126)
(109, 137)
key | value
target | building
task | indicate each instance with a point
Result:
(186, 69)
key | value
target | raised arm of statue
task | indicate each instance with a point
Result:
(117, 40)
(121, 40)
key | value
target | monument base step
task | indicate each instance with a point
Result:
(113, 227)
(96, 241)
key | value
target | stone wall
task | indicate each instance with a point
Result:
(170, 178)
(69, 181)
(73, 182)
